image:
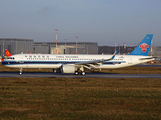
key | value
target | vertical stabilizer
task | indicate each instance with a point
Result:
(144, 46)
(7, 53)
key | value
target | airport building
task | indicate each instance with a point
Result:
(68, 48)
(157, 52)
(16, 45)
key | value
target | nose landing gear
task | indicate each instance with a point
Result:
(20, 71)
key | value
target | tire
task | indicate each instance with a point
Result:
(83, 73)
(76, 73)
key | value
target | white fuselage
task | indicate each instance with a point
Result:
(57, 60)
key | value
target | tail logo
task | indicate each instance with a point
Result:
(144, 47)
(7, 53)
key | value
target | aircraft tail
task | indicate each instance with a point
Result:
(7, 53)
(144, 46)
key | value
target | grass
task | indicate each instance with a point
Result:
(80, 98)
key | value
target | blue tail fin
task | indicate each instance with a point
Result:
(144, 46)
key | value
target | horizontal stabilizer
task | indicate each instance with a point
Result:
(148, 58)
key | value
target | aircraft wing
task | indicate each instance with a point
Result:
(90, 62)
(94, 63)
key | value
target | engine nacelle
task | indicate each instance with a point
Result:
(68, 69)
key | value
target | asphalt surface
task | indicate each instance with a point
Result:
(88, 75)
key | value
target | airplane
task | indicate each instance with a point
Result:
(77, 63)
(7, 53)
(1, 59)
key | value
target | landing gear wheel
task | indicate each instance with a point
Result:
(76, 73)
(20, 71)
(83, 73)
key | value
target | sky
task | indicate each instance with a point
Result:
(101, 21)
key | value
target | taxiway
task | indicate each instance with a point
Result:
(88, 75)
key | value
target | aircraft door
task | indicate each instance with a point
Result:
(130, 60)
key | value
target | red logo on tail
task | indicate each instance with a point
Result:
(7, 52)
(144, 47)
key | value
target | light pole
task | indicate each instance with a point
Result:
(115, 45)
(76, 44)
(65, 46)
(56, 39)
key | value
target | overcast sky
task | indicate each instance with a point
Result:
(100, 21)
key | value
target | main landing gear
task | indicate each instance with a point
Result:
(81, 69)
(76, 73)
(82, 73)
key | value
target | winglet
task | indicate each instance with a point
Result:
(114, 55)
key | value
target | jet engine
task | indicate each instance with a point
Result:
(68, 68)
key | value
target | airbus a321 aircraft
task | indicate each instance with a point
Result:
(72, 63)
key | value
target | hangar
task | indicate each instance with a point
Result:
(16, 45)
(68, 48)
(19, 45)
